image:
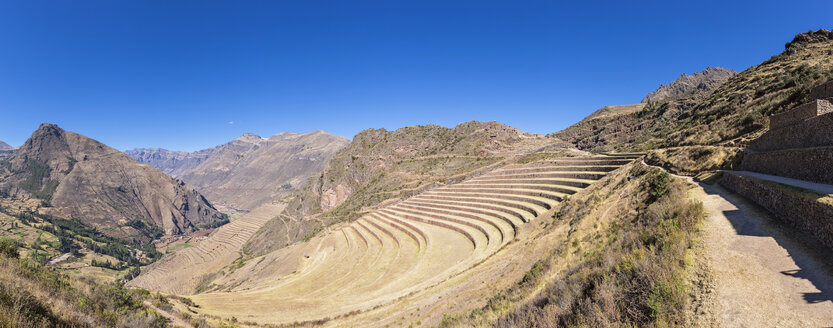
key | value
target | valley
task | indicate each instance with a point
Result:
(708, 204)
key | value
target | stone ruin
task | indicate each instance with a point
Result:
(799, 144)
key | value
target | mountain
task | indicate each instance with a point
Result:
(731, 115)
(249, 170)
(686, 85)
(5, 146)
(172, 162)
(84, 179)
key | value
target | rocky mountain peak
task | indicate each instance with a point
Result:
(687, 85)
(5, 146)
(83, 178)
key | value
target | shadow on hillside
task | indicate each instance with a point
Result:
(815, 261)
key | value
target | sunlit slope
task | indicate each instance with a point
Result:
(400, 249)
(182, 271)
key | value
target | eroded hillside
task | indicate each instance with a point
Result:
(77, 177)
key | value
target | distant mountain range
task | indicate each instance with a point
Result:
(249, 170)
(84, 179)
(5, 146)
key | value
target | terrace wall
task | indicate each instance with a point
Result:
(811, 164)
(808, 215)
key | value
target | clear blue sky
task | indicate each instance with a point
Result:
(193, 74)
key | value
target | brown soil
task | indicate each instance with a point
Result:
(755, 272)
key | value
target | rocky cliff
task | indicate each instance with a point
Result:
(84, 179)
(686, 85)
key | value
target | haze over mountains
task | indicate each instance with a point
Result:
(84, 179)
(5, 146)
(249, 170)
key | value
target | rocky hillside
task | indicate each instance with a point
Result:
(249, 170)
(84, 179)
(174, 163)
(732, 114)
(381, 166)
(5, 146)
(686, 85)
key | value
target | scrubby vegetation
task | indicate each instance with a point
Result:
(32, 295)
(730, 115)
(622, 271)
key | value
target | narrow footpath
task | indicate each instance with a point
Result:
(762, 273)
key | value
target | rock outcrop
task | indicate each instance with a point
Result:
(89, 181)
(705, 81)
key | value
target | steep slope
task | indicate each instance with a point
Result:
(248, 171)
(104, 188)
(174, 163)
(5, 146)
(251, 170)
(381, 165)
(732, 114)
(685, 85)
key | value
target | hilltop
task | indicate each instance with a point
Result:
(78, 177)
(250, 170)
(381, 165)
(730, 115)
(5, 146)
(687, 85)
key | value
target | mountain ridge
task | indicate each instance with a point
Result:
(82, 178)
(249, 170)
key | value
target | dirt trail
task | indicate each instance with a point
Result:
(763, 274)
(174, 320)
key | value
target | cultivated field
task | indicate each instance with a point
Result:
(403, 249)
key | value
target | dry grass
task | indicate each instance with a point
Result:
(623, 265)
(32, 295)
(691, 160)
(731, 115)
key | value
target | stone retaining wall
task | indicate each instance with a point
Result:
(799, 113)
(822, 91)
(811, 164)
(813, 132)
(812, 217)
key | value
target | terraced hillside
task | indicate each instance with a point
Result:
(182, 272)
(399, 250)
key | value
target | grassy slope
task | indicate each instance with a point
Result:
(382, 165)
(734, 113)
(32, 295)
(625, 263)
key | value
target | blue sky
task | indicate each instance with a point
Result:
(188, 75)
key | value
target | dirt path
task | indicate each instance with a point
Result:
(175, 320)
(762, 273)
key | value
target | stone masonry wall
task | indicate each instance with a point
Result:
(813, 132)
(822, 91)
(800, 113)
(810, 216)
(811, 164)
